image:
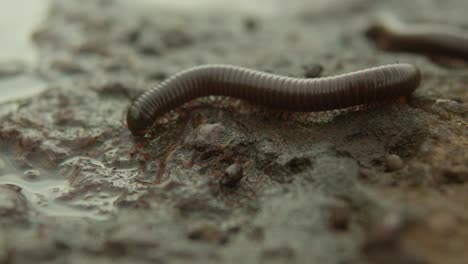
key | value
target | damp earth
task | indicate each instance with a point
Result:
(223, 181)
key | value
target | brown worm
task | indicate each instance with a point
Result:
(280, 92)
(390, 34)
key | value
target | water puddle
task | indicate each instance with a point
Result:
(55, 197)
(45, 196)
(18, 19)
(20, 86)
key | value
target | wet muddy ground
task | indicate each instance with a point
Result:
(226, 182)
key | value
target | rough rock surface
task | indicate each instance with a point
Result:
(385, 185)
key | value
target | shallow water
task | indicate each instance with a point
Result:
(20, 86)
(18, 19)
(48, 197)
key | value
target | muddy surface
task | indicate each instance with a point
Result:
(225, 182)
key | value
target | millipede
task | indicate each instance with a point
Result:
(363, 87)
(389, 33)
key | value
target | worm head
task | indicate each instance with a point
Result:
(137, 121)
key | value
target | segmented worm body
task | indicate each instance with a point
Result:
(390, 34)
(280, 92)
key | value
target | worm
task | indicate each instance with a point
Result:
(280, 92)
(391, 34)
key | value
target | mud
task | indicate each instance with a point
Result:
(224, 181)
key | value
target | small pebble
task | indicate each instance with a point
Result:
(393, 162)
(251, 24)
(32, 174)
(339, 218)
(312, 70)
(365, 173)
(232, 176)
(12, 201)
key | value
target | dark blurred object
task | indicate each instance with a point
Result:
(436, 41)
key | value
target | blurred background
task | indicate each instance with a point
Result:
(18, 54)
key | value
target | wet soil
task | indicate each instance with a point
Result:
(226, 182)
